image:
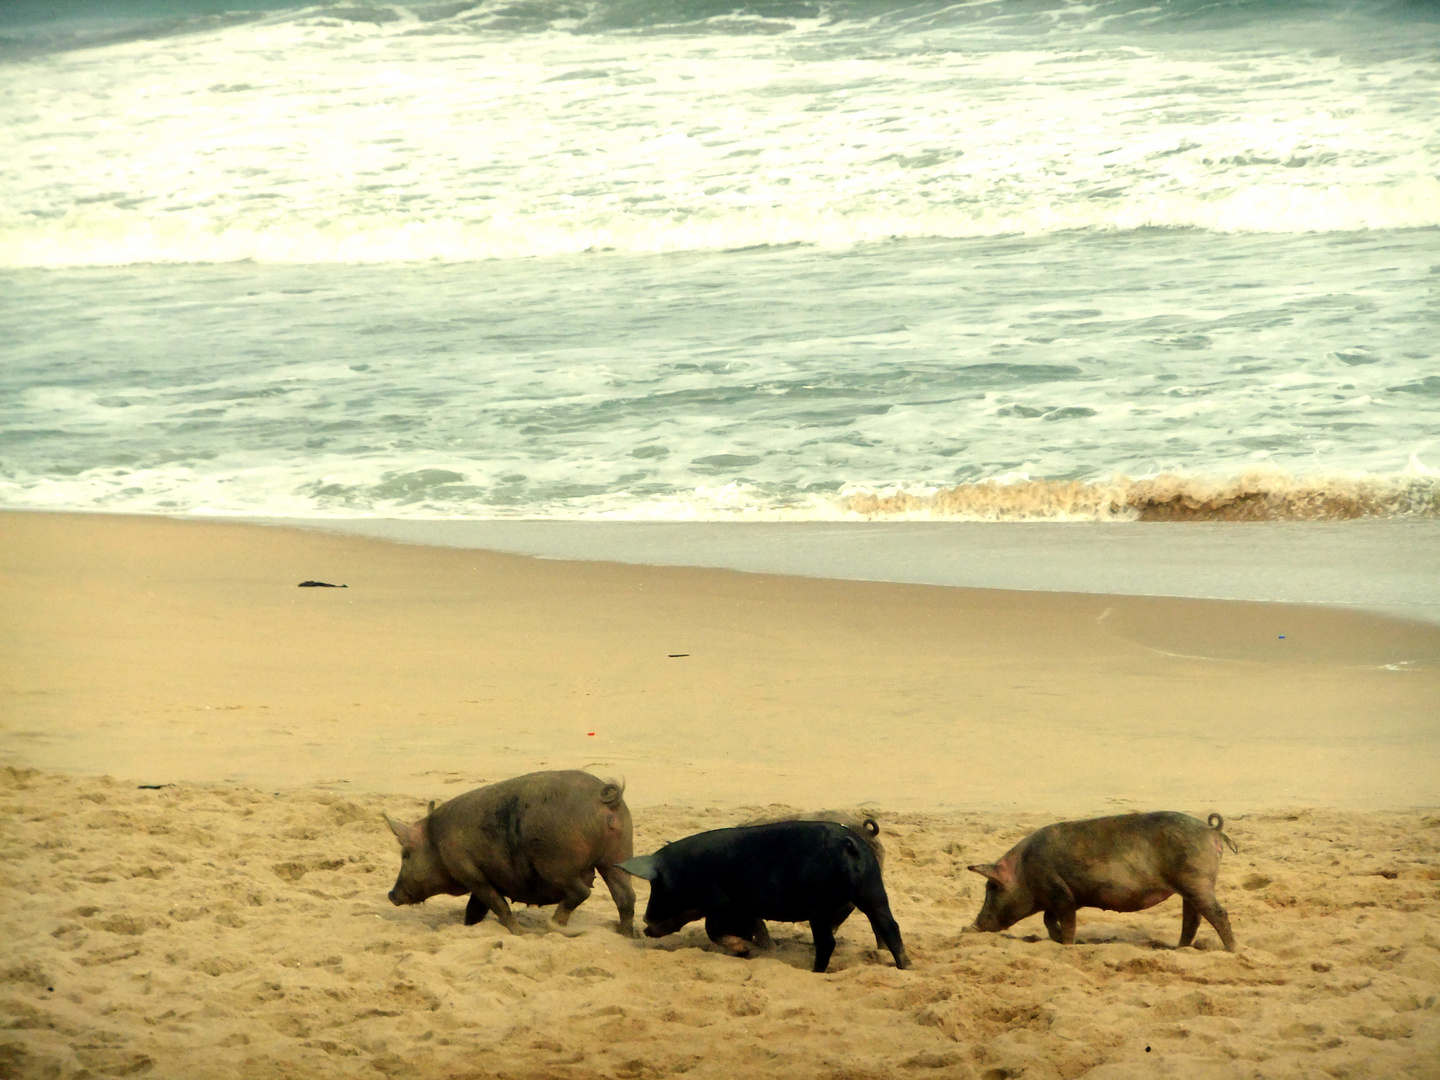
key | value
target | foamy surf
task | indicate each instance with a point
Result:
(683, 262)
(114, 238)
(481, 133)
(1258, 495)
(1254, 496)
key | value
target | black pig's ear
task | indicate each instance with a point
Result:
(641, 866)
(991, 871)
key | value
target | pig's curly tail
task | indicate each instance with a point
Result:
(1216, 822)
(870, 827)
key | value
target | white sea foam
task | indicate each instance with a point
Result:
(284, 491)
(970, 263)
(302, 141)
(86, 238)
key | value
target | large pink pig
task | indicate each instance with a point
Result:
(536, 839)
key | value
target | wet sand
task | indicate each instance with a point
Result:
(234, 921)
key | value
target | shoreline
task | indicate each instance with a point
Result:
(1279, 562)
(165, 649)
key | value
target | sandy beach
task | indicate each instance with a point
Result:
(195, 754)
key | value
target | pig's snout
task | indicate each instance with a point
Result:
(400, 897)
(987, 923)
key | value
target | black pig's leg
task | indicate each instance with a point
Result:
(824, 942)
(475, 910)
(876, 906)
(887, 933)
(761, 935)
(728, 929)
(844, 913)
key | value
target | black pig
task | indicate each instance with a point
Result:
(1124, 863)
(790, 871)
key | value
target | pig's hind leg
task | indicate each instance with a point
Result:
(845, 913)
(576, 893)
(1202, 902)
(887, 931)
(623, 893)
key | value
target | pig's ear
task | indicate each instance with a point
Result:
(641, 866)
(994, 871)
(408, 835)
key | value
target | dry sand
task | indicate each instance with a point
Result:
(234, 921)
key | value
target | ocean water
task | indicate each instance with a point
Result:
(700, 260)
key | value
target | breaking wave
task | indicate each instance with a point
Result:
(1255, 496)
(115, 239)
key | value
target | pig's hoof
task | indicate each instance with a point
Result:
(628, 929)
(736, 946)
(562, 928)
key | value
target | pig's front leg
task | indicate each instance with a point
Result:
(1059, 910)
(824, 942)
(728, 929)
(475, 910)
(1061, 926)
(483, 896)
